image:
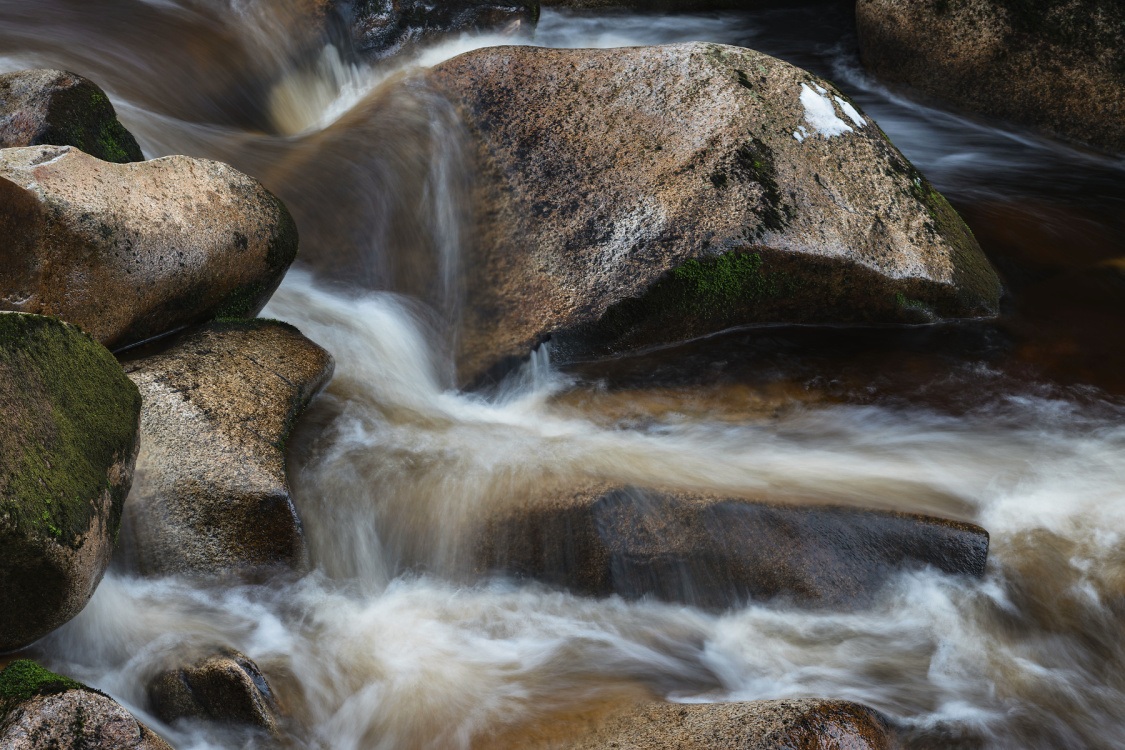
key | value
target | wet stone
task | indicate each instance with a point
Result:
(227, 688)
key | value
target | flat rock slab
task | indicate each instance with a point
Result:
(638, 196)
(210, 494)
(133, 251)
(717, 552)
(68, 442)
(55, 108)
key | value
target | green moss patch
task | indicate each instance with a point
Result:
(82, 116)
(23, 680)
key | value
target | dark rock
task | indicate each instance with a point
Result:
(210, 494)
(632, 197)
(68, 442)
(227, 688)
(1058, 65)
(40, 709)
(54, 108)
(385, 27)
(716, 552)
(133, 251)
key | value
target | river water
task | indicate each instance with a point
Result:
(1016, 424)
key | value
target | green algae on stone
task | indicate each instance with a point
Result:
(23, 680)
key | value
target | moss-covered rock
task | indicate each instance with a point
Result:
(40, 709)
(68, 443)
(55, 108)
(639, 196)
(133, 251)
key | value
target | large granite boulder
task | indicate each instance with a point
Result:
(133, 251)
(68, 442)
(382, 28)
(226, 687)
(55, 108)
(630, 197)
(1058, 65)
(718, 552)
(210, 494)
(40, 709)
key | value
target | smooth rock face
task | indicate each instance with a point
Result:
(133, 251)
(716, 552)
(382, 28)
(630, 197)
(68, 443)
(210, 495)
(1058, 65)
(39, 709)
(55, 108)
(227, 688)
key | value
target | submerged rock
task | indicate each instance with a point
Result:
(133, 251)
(717, 552)
(630, 197)
(227, 687)
(68, 442)
(1058, 65)
(385, 27)
(211, 494)
(40, 709)
(55, 108)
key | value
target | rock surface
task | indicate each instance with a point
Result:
(806, 724)
(133, 251)
(55, 108)
(716, 552)
(210, 495)
(227, 688)
(630, 197)
(382, 28)
(68, 442)
(1058, 65)
(40, 709)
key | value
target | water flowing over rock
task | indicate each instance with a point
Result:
(55, 108)
(211, 494)
(133, 251)
(384, 27)
(637, 196)
(40, 709)
(717, 552)
(227, 687)
(68, 443)
(1058, 65)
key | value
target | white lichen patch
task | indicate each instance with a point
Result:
(821, 115)
(852, 113)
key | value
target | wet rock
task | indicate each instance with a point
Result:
(1058, 65)
(631, 197)
(717, 552)
(808, 724)
(210, 495)
(40, 709)
(382, 28)
(133, 251)
(68, 442)
(55, 108)
(227, 688)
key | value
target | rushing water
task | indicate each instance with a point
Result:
(1017, 424)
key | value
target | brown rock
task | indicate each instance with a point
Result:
(132, 251)
(718, 552)
(631, 197)
(52, 107)
(39, 709)
(1058, 65)
(227, 688)
(68, 442)
(382, 28)
(211, 494)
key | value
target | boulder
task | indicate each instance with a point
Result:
(133, 251)
(1058, 65)
(719, 552)
(68, 442)
(638, 196)
(808, 724)
(382, 28)
(227, 688)
(55, 108)
(40, 709)
(210, 495)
